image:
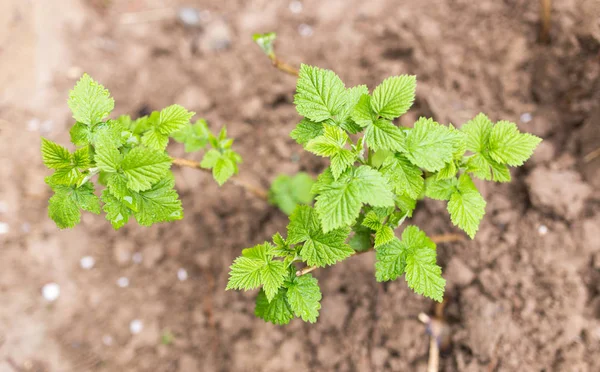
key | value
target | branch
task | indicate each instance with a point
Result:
(256, 190)
(283, 66)
(444, 238)
(545, 20)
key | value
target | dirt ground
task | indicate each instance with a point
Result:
(523, 296)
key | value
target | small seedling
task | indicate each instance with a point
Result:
(128, 158)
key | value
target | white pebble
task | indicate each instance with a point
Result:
(295, 7)
(51, 292)
(107, 340)
(3, 228)
(543, 230)
(182, 274)
(526, 117)
(123, 282)
(87, 262)
(136, 326)
(33, 125)
(305, 30)
(137, 257)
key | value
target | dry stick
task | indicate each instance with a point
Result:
(256, 190)
(545, 11)
(283, 66)
(444, 238)
(592, 155)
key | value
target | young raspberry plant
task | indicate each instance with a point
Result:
(377, 172)
(129, 159)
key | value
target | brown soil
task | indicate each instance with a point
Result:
(523, 296)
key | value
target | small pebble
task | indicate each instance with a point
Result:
(3, 228)
(189, 16)
(543, 230)
(182, 274)
(137, 257)
(123, 282)
(33, 125)
(295, 7)
(51, 292)
(305, 30)
(87, 262)
(526, 117)
(107, 340)
(46, 126)
(136, 326)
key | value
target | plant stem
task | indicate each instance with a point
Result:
(255, 190)
(545, 20)
(443, 238)
(283, 66)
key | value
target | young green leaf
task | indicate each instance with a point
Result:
(81, 134)
(320, 94)
(466, 206)
(89, 101)
(405, 177)
(64, 206)
(143, 167)
(265, 42)
(430, 145)
(391, 260)
(160, 203)
(173, 119)
(339, 202)
(424, 276)
(394, 96)
(276, 311)
(195, 137)
(154, 139)
(108, 158)
(288, 191)
(320, 248)
(54, 155)
(440, 189)
(116, 210)
(331, 144)
(509, 146)
(272, 275)
(304, 296)
(306, 130)
(223, 164)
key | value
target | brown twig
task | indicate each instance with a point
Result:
(545, 20)
(591, 155)
(283, 66)
(255, 190)
(443, 238)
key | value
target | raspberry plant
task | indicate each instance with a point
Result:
(129, 158)
(377, 172)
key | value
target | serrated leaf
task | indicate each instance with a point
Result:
(509, 146)
(223, 164)
(108, 158)
(320, 94)
(406, 204)
(394, 96)
(430, 145)
(331, 144)
(391, 260)
(65, 176)
(265, 42)
(272, 275)
(81, 158)
(81, 134)
(440, 189)
(384, 235)
(173, 119)
(89, 101)
(339, 202)
(117, 211)
(194, 137)
(466, 206)
(353, 96)
(64, 206)
(160, 203)
(362, 113)
(383, 135)
(154, 139)
(288, 191)
(54, 155)
(245, 273)
(306, 130)
(304, 296)
(424, 276)
(485, 168)
(276, 311)
(144, 167)
(403, 176)
(478, 132)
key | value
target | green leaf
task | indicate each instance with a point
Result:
(306, 130)
(478, 133)
(394, 96)
(440, 189)
(173, 119)
(108, 158)
(406, 204)
(320, 94)
(288, 191)
(466, 206)
(353, 96)
(319, 248)
(509, 146)
(265, 42)
(117, 212)
(81, 134)
(304, 296)
(195, 137)
(391, 260)
(485, 168)
(424, 276)
(158, 204)
(362, 113)
(245, 273)
(64, 206)
(156, 140)
(54, 155)
(272, 275)
(404, 177)
(430, 145)
(89, 101)
(339, 202)
(223, 164)
(144, 167)
(277, 311)
(65, 176)
(331, 144)
(383, 135)
(81, 158)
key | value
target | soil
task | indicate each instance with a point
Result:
(523, 296)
